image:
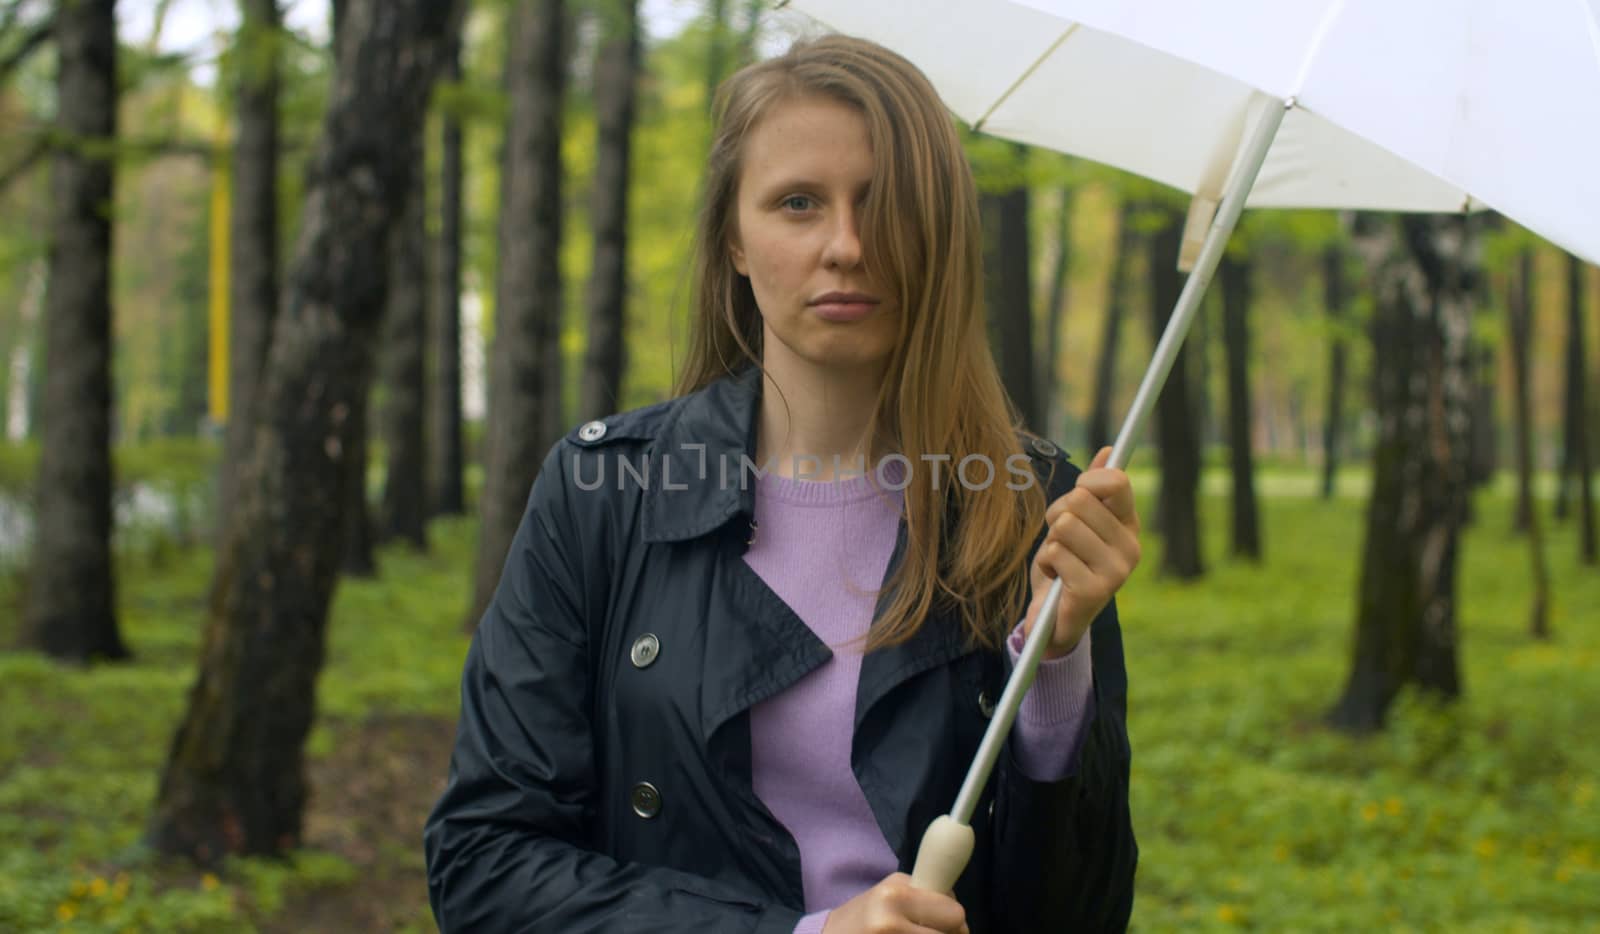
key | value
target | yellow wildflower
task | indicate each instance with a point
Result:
(98, 887)
(1392, 807)
(1228, 914)
(1369, 812)
(66, 911)
(209, 882)
(1486, 848)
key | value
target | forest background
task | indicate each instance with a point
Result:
(1264, 797)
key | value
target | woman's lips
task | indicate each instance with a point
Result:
(844, 311)
(843, 307)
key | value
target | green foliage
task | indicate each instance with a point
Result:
(19, 468)
(174, 464)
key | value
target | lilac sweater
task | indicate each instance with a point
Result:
(824, 547)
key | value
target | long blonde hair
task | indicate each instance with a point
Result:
(965, 548)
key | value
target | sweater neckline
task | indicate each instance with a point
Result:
(843, 491)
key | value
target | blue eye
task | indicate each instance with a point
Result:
(798, 203)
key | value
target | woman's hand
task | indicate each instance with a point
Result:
(895, 906)
(1092, 545)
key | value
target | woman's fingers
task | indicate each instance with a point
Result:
(895, 906)
(1087, 528)
(1110, 488)
(1079, 581)
(934, 910)
(1082, 511)
(1091, 545)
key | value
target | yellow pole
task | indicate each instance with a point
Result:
(221, 193)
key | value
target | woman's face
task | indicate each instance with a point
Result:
(806, 169)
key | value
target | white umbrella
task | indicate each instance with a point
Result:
(1402, 105)
(1399, 105)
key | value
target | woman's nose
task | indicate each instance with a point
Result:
(844, 245)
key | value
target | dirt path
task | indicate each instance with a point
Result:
(369, 799)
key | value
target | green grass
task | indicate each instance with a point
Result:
(1481, 817)
(1484, 816)
(80, 750)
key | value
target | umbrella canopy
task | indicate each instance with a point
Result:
(1425, 105)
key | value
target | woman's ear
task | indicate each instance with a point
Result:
(736, 253)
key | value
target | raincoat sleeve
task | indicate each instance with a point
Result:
(1064, 850)
(507, 843)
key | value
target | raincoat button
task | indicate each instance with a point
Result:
(646, 800)
(1044, 448)
(592, 431)
(985, 705)
(645, 650)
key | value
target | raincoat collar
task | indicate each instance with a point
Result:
(706, 458)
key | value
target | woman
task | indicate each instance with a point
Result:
(714, 697)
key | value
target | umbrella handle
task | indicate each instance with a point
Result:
(946, 848)
(948, 841)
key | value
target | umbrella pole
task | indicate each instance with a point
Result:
(947, 844)
(1194, 288)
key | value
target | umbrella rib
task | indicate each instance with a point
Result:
(978, 125)
(1588, 13)
(1315, 46)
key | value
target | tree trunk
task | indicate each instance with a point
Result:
(1519, 325)
(1335, 296)
(1105, 371)
(357, 558)
(446, 448)
(749, 32)
(405, 374)
(615, 76)
(1009, 294)
(1055, 417)
(71, 608)
(1571, 417)
(1578, 444)
(253, 238)
(1201, 337)
(1485, 439)
(234, 781)
(525, 417)
(1236, 298)
(716, 50)
(1177, 421)
(336, 22)
(1520, 310)
(1423, 270)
